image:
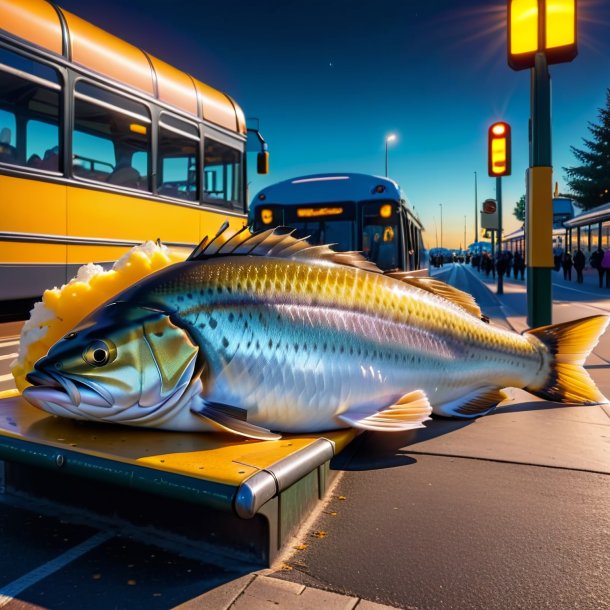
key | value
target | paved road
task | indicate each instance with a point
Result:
(9, 346)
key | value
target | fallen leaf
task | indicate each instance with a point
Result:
(341, 498)
(320, 534)
(301, 547)
(285, 567)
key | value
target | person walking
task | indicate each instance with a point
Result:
(518, 265)
(596, 263)
(606, 266)
(579, 265)
(566, 263)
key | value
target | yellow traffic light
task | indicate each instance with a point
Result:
(541, 26)
(499, 150)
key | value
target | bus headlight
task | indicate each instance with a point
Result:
(385, 211)
(266, 216)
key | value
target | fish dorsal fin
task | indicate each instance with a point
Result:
(278, 242)
(441, 289)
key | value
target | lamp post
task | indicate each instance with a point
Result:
(441, 206)
(540, 32)
(476, 215)
(465, 245)
(389, 138)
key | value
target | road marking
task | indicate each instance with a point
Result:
(7, 356)
(8, 592)
(9, 343)
(8, 377)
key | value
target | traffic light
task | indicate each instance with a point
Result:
(541, 26)
(498, 150)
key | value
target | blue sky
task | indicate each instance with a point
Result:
(330, 79)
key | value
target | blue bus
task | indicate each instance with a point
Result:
(350, 211)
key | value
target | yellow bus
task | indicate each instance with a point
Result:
(103, 146)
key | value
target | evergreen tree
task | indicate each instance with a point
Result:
(590, 182)
(519, 211)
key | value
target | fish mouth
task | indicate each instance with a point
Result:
(59, 389)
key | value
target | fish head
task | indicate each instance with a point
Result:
(120, 362)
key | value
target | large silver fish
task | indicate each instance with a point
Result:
(264, 334)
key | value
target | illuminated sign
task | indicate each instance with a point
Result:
(313, 212)
(541, 26)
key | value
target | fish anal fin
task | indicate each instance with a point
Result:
(407, 413)
(224, 418)
(442, 289)
(473, 404)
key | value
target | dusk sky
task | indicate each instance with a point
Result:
(330, 79)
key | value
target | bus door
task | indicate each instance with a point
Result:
(381, 234)
(410, 240)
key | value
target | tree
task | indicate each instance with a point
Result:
(519, 211)
(590, 182)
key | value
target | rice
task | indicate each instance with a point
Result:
(62, 308)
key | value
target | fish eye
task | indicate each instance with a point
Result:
(99, 353)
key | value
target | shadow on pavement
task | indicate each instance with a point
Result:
(379, 450)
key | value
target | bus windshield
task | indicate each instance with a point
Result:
(331, 223)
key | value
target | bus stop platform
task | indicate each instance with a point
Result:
(241, 495)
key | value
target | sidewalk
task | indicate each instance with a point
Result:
(259, 592)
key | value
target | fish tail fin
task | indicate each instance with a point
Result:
(569, 344)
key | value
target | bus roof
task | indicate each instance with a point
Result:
(53, 29)
(328, 187)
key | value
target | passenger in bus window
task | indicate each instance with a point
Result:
(124, 174)
(8, 153)
(50, 160)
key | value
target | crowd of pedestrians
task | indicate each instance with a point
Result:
(506, 262)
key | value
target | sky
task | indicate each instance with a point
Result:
(329, 80)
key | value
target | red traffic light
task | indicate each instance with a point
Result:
(499, 150)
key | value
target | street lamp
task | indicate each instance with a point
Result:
(389, 138)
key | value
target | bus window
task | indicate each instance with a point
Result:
(329, 224)
(29, 112)
(222, 167)
(178, 154)
(109, 130)
(380, 235)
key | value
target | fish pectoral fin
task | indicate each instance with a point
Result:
(478, 402)
(409, 412)
(225, 418)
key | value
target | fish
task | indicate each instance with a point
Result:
(263, 334)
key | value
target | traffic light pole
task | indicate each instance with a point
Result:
(500, 289)
(539, 219)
